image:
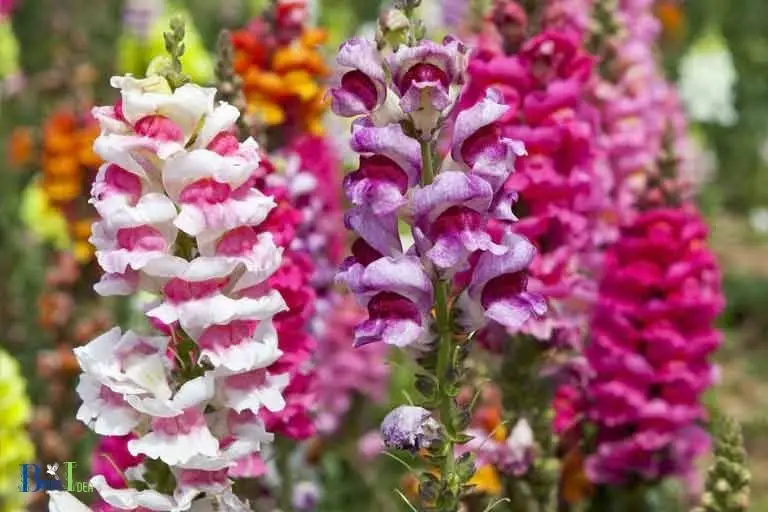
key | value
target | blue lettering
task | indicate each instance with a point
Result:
(39, 482)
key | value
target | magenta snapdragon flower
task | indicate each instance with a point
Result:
(649, 358)
(543, 87)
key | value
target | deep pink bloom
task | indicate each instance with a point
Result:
(111, 458)
(544, 86)
(652, 336)
(294, 282)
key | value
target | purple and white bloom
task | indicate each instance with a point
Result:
(361, 81)
(428, 79)
(452, 214)
(408, 427)
(516, 455)
(398, 295)
(497, 290)
(390, 165)
(477, 142)
(306, 496)
(379, 236)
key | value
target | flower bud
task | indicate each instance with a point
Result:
(409, 428)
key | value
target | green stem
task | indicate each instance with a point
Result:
(427, 164)
(444, 371)
(444, 358)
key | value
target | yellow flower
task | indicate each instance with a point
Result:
(285, 87)
(301, 84)
(268, 112)
(82, 249)
(42, 219)
(486, 480)
(576, 487)
(16, 445)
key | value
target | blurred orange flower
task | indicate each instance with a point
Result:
(576, 487)
(283, 83)
(20, 146)
(68, 165)
(672, 17)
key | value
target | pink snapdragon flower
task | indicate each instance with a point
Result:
(185, 214)
(649, 358)
(543, 87)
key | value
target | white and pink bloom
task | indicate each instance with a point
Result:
(181, 217)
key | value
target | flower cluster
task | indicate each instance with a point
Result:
(180, 217)
(17, 447)
(466, 268)
(282, 69)
(638, 111)
(543, 87)
(449, 213)
(293, 280)
(652, 335)
(68, 165)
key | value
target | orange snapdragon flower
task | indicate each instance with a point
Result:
(672, 17)
(68, 165)
(283, 82)
(20, 147)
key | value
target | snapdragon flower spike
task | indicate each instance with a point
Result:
(652, 336)
(543, 87)
(174, 166)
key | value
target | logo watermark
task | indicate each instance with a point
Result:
(54, 478)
